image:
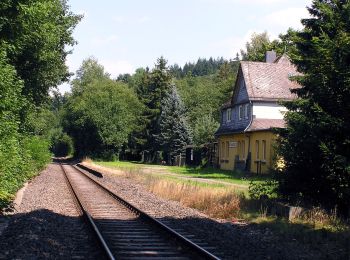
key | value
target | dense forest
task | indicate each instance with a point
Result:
(128, 116)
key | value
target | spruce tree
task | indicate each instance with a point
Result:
(158, 85)
(174, 132)
(316, 143)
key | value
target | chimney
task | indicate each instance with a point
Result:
(270, 56)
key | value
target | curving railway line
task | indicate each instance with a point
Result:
(124, 231)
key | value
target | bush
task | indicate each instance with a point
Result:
(38, 151)
(20, 159)
(265, 189)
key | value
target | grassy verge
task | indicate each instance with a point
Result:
(233, 177)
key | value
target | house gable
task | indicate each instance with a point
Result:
(240, 94)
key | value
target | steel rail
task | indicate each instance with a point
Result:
(88, 217)
(180, 238)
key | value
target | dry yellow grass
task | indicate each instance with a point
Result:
(215, 202)
(223, 203)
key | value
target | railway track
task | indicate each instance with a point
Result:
(124, 231)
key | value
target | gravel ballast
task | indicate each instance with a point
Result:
(230, 241)
(47, 223)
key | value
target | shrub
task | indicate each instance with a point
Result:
(20, 159)
(265, 189)
(38, 151)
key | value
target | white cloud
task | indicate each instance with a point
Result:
(246, 2)
(85, 15)
(234, 44)
(117, 67)
(111, 39)
(144, 19)
(286, 18)
(261, 2)
(118, 18)
(82, 12)
(131, 19)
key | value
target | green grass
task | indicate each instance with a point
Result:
(232, 177)
(120, 164)
(236, 177)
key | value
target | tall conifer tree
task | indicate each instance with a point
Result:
(174, 131)
(316, 143)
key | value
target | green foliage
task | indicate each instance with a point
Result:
(37, 150)
(20, 159)
(62, 145)
(202, 67)
(263, 189)
(151, 88)
(33, 39)
(89, 71)
(102, 114)
(174, 132)
(315, 145)
(36, 35)
(203, 97)
(259, 44)
(204, 129)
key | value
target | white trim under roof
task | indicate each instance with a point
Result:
(268, 110)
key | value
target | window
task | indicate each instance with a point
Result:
(264, 150)
(257, 149)
(228, 115)
(239, 149)
(222, 150)
(246, 111)
(243, 150)
(227, 149)
(240, 112)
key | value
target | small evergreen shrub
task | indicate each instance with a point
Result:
(265, 189)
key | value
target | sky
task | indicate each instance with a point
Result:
(126, 35)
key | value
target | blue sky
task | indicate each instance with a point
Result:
(125, 35)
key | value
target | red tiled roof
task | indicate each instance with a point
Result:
(270, 81)
(265, 124)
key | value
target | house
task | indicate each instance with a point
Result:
(245, 136)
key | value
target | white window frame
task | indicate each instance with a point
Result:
(240, 110)
(246, 111)
(228, 115)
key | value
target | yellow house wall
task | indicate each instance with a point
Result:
(227, 162)
(258, 163)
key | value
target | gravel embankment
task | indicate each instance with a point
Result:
(231, 241)
(47, 223)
